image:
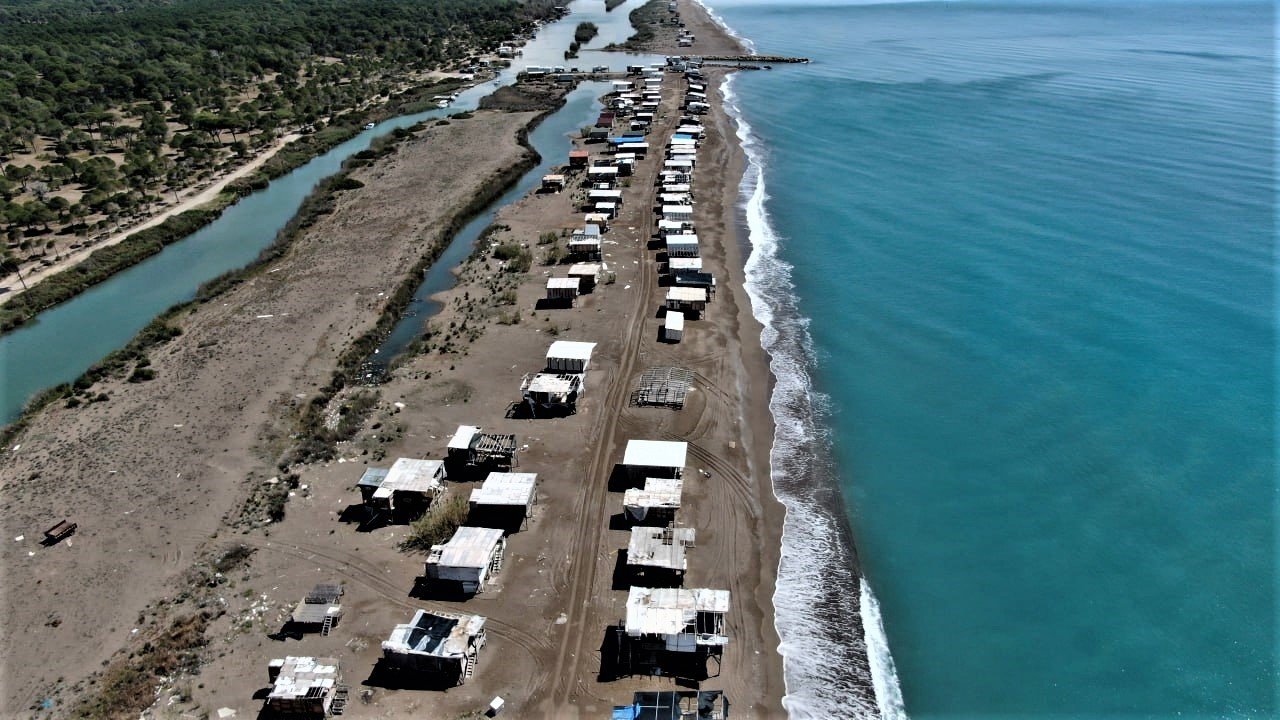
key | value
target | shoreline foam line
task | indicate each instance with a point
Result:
(819, 626)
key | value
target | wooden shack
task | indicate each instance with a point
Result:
(687, 300)
(563, 290)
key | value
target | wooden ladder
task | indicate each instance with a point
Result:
(339, 700)
(470, 668)
(327, 626)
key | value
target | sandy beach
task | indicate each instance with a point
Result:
(162, 477)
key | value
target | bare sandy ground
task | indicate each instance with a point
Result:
(190, 199)
(150, 474)
(154, 474)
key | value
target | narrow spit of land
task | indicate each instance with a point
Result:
(158, 476)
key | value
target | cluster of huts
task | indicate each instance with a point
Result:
(667, 627)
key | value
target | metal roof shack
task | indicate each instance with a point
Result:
(656, 458)
(470, 446)
(578, 158)
(406, 488)
(681, 246)
(677, 265)
(470, 557)
(660, 548)
(436, 643)
(305, 686)
(688, 300)
(552, 391)
(674, 705)
(686, 620)
(656, 503)
(554, 183)
(503, 490)
(673, 326)
(680, 213)
(588, 273)
(569, 356)
(319, 608)
(565, 290)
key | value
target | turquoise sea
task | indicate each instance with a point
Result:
(1016, 264)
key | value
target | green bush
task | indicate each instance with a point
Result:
(438, 524)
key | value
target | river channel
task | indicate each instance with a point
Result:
(66, 340)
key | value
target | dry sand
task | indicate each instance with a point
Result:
(150, 474)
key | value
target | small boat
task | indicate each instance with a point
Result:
(369, 126)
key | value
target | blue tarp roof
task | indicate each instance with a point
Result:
(684, 136)
(626, 139)
(625, 712)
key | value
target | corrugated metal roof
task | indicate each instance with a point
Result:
(470, 547)
(412, 475)
(506, 489)
(298, 675)
(674, 320)
(462, 438)
(659, 547)
(566, 283)
(657, 492)
(439, 634)
(687, 294)
(667, 611)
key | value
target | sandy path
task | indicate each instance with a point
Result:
(188, 202)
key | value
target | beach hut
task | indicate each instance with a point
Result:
(597, 134)
(405, 490)
(469, 559)
(602, 173)
(587, 273)
(673, 326)
(670, 198)
(640, 149)
(569, 356)
(599, 195)
(600, 221)
(694, 279)
(682, 246)
(688, 300)
(504, 499)
(609, 209)
(553, 183)
(681, 264)
(563, 290)
(678, 620)
(579, 158)
(680, 213)
(471, 447)
(586, 242)
(319, 609)
(654, 504)
(305, 687)
(621, 86)
(552, 392)
(683, 164)
(658, 553)
(655, 458)
(436, 643)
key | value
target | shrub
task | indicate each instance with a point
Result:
(438, 524)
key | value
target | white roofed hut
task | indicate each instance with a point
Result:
(680, 264)
(673, 326)
(678, 213)
(504, 500)
(673, 630)
(563, 290)
(667, 228)
(553, 183)
(587, 273)
(687, 300)
(569, 356)
(682, 246)
(305, 687)
(470, 447)
(600, 221)
(654, 504)
(656, 555)
(655, 458)
(586, 241)
(602, 173)
(436, 644)
(405, 490)
(318, 611)
(609, 209)
(470, 558)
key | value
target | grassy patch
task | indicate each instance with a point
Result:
(438, 524)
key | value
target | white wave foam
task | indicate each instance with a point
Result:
(818, 624)
(715, 17)
(883, 672)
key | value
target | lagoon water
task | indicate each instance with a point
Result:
(1016, 260)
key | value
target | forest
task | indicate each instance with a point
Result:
(109, 107)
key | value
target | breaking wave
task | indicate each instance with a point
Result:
(835, 655)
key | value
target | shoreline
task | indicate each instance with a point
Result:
(867, 684)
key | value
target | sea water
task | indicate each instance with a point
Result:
(1015, 264)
